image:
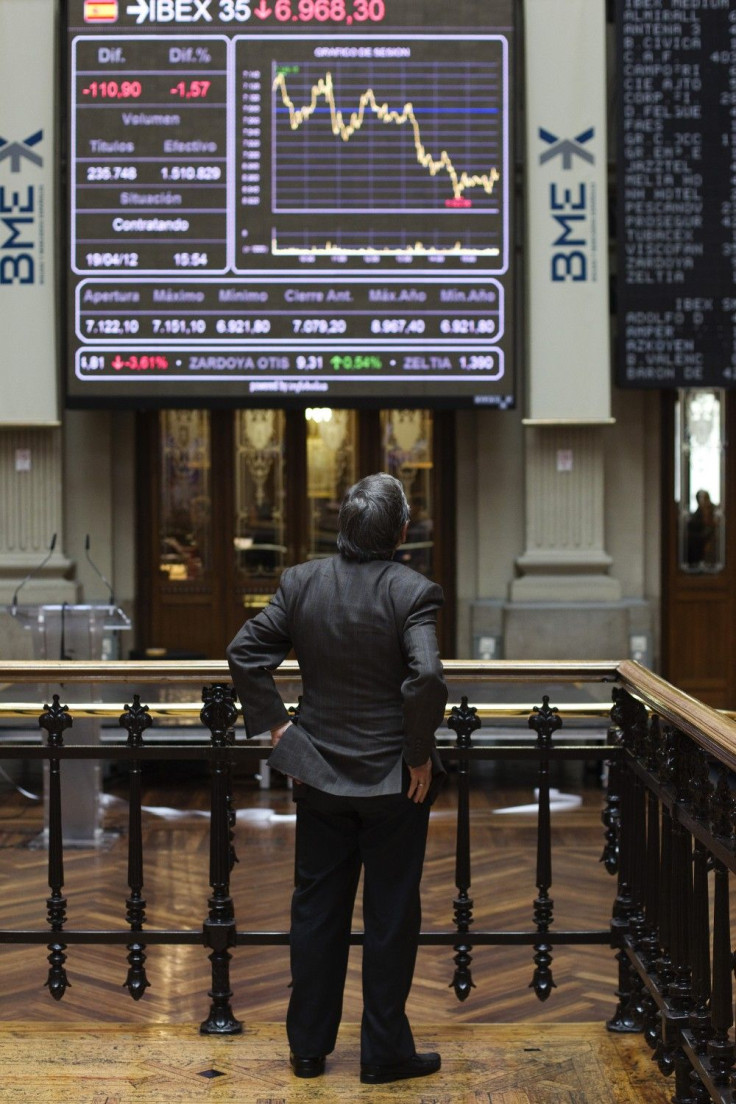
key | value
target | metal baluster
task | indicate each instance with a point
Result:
(651, 1018)
(625, 715)
(641, 744)
(663, 1054)
(645, 926)
(668, 1054)
(545, 722)
(464, 722)
(611, 815)
(680, 990)
(219, 714)
(698, 1092)
(667, 765)
(650, 942)
(699, 1017)
(622, 716)
(136, 719)
(664, 962)
(700, 800)
(637, 928)
(720, 1048)
(55, 720)
(701, 787)
(650, 936)
(722, 808)
(229, 804)
(676, 771)
(700, 1021)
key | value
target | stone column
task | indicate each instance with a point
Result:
(564, 603)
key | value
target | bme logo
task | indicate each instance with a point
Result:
(570, 208)
(16, 151)
(19, 210)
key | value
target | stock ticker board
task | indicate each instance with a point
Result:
(289, 201)
(676, 193)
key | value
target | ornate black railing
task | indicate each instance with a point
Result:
(669, 824)
(675, 792)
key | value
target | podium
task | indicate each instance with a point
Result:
(69, 632)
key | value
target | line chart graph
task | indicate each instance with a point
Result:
(422, 137)
(324, 89)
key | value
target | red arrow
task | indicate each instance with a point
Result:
(262, 11)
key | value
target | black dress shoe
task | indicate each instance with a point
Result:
(419, 1065)
(307, 1067)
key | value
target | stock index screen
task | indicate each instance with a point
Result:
(289, 201)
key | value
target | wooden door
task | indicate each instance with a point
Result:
(699, 545)
(181, 491)
(230, 498)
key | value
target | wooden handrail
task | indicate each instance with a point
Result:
(17, 710)
(713, 731)
(216, 670)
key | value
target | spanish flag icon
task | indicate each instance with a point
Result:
(100, 11)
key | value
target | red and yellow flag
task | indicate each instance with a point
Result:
(100, 11)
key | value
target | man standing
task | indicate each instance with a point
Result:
(363, 758)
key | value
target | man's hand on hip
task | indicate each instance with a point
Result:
(277, 733)
(419, 780)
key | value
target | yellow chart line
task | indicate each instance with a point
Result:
(419, 248)
(324, 88)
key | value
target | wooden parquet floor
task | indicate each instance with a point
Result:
(501, 1046)
(481, 1064)
(176, 888)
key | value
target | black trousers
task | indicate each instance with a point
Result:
(335, 836)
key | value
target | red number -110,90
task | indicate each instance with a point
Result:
(111, 90)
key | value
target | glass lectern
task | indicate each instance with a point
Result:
(75, 632)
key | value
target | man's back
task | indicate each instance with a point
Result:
(365, 640)
(347, 621)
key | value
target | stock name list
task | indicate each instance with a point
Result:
(676, 232)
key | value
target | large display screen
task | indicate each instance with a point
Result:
(676, 193)
(275, 200)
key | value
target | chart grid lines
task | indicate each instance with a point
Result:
(369, 139)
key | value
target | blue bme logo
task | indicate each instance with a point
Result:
(570, 208)
(19, 205)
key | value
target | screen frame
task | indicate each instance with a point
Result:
(162, 393)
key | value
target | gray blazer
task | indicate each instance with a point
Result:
(373, 688)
